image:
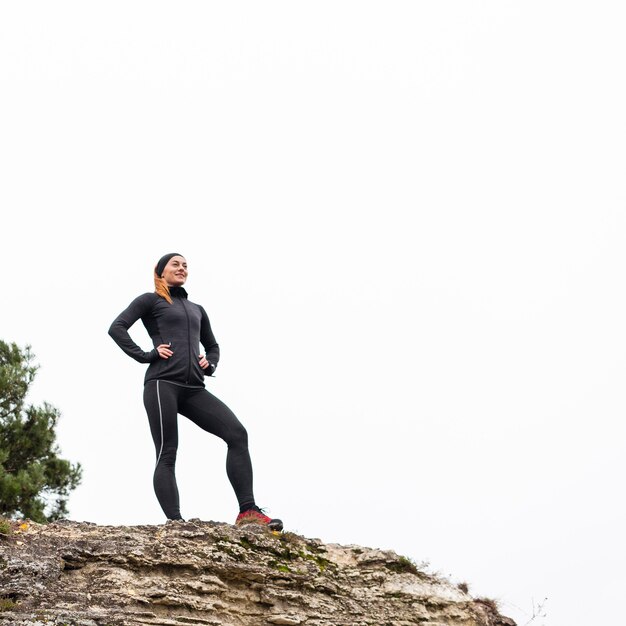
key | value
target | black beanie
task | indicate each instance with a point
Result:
(163, 261)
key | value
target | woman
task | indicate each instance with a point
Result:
(174, 383)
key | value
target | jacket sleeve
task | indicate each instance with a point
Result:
(207, 339)
(119, 329)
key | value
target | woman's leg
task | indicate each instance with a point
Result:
(213, 416)
(161, 400)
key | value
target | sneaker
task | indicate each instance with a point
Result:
(256, 516)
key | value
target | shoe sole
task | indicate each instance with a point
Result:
(275, 524)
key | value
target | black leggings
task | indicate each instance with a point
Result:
(163, 400)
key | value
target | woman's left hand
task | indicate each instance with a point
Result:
(203, 362)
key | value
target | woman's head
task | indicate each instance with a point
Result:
(172, 268)
(170, 271)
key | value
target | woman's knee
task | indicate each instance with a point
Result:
(166, 456)
(237, 437)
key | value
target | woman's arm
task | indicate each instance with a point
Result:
(119, 329)
(207, 339)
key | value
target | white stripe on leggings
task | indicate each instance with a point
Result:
(161, 420)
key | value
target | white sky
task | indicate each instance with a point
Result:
(406, 221)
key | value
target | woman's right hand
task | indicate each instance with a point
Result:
(164, 350)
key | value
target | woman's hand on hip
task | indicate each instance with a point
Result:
(203, 362)
(164, 350)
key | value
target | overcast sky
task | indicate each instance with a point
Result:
(406, 222)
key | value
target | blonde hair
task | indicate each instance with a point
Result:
(161, 288)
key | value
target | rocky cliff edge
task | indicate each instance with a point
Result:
(206, 573)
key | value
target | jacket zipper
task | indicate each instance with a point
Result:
(188, 341)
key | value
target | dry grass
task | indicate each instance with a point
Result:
(489, 603)
(464, 587)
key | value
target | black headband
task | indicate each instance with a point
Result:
(163, 261)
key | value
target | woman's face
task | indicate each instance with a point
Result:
(175, 272)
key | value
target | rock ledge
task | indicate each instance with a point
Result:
(211, 574)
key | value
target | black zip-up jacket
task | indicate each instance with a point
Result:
(182, 324)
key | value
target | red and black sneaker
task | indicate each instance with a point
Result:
(256, 516)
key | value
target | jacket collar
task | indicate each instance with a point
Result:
(178, 292)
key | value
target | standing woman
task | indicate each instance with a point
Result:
(174, 383)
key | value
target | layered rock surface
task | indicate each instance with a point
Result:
(205, 573)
